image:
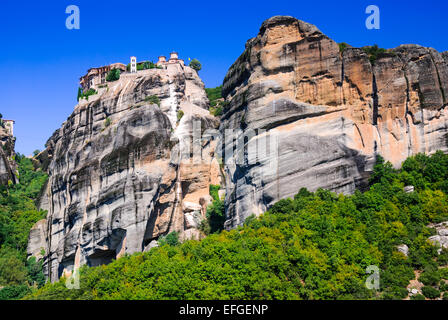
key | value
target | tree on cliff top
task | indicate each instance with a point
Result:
(196, 65)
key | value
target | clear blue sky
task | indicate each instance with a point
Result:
(41, 61)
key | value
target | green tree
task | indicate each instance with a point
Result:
(196, 65)
(430, 292)
(113, 75)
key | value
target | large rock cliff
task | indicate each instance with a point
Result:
(121, 173)
(324, 113)
(299, 112)
(8, 166)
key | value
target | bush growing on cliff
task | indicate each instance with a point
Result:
(215, 216)
(214, 94)
(113, 75)
(196, 65)
(343, 46)
(216, 102)
(85, 95)
(171, 239)
(374, 52)
(153, 100)
(107, 122)
(180, 114)
(314, 246)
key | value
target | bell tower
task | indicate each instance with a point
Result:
(133, 64)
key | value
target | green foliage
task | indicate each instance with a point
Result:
(430, 277)
(107, 122)
(216, 111)
(14, 292)
(213, 190)
(443, 273)
(430, 292)
(216, 101)
(144, 65)
(153, 100)
(215, 216)
(79, 93)
(172, 239)
(418, 297)
(113, 75)
(34, 271)
(214, 94)
(180, 114)
(12, 269)
(18, 214)
(195, 64)
(443, 286)
(85, 95)
(314, 246)
(343, 46)
(374, 52)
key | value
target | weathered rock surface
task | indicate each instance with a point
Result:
(8, 166)
(121, 173)
(440, 239)
(325, 114)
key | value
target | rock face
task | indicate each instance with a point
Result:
(323, 114)
(121, 172)
(8, 166)
(441, 238)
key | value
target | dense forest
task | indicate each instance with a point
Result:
(18, 213)
(314, 246)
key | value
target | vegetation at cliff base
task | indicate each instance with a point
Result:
(215, 216)
(314, 246)
(18, 213)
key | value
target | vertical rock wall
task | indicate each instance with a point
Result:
(326, 113)
(120, 173)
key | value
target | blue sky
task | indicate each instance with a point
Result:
(41, 61)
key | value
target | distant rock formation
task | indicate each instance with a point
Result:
(8, 166)
(329, 112)
(120, 171)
